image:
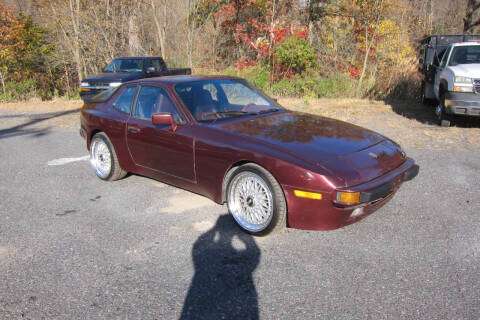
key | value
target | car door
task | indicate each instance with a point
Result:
(156, 147)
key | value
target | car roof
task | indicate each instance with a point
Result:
(185, 78)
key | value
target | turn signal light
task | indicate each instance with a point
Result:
(309, 195)
(463, 88)
(348, 197)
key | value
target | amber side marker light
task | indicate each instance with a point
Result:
(348, 197)
(309, 195)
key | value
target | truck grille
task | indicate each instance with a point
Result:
(104, 84)
(476, 85)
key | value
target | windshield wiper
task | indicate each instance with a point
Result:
(228, 112)
(233, 112)
(268, 110)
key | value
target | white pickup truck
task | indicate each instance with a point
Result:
(454, 81)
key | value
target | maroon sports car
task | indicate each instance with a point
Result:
(224, 139)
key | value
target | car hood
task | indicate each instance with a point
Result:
(471, 70)
(108, 77)
(352, 153)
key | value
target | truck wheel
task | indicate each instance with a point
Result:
(444, 119)
(423, 99)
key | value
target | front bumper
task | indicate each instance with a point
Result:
(462, 103)
(325, 214)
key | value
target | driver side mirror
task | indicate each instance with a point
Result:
(162, 119)
(150, 69)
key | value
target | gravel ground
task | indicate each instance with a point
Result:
(75, 247)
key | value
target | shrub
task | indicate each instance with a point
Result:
(257, 75)
(295, 54)
(313, 86)
(284, 87)
(15, 91)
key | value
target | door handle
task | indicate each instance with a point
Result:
(133, 129)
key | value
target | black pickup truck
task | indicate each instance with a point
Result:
(125, 69)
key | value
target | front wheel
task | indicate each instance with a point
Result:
(444, 119)
(256, 200)
(104, 159)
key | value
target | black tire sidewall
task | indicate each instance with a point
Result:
(103, 137)
(444, 118)
(275, 197)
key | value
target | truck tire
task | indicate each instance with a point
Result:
(444, 119)
(423, 99)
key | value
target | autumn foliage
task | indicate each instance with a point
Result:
(287, 47)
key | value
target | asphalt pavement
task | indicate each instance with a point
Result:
(75, 247)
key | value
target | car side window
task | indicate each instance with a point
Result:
(124, 101)
(153, 100)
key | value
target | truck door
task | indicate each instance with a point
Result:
(440, 71)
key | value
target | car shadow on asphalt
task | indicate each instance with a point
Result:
(425, 113)
(23, 129)
(223, 287)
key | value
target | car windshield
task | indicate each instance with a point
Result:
(209, 100)
(465, 55)
(125, 65)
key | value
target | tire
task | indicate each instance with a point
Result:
(256, 201)
(423, 99)
(444, 119)
(104, 159)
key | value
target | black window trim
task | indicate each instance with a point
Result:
(134, 99)
(139, 87)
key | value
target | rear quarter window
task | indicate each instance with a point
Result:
(124, 101)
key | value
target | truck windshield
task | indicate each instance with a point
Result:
(125, 65)
(465, 55)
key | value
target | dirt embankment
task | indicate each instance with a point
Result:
(411, 124)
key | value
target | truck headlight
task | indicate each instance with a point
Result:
(462, 84)
(84, 84)
(115, 84)
(462, 80)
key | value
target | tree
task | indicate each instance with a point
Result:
(468, 22)
(22, 47)
(369, 13)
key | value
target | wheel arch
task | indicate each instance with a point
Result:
(91, 135)
(232, 169)
(229, 173)
(443, 87)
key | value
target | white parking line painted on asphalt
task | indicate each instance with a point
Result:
(62, 161)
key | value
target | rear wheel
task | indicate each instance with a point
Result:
(256, 200)
(104, 159)
(423, 99)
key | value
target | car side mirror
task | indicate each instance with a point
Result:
(150, 69)
(162, 119)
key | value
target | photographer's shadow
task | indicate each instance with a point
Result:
(222, 287)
